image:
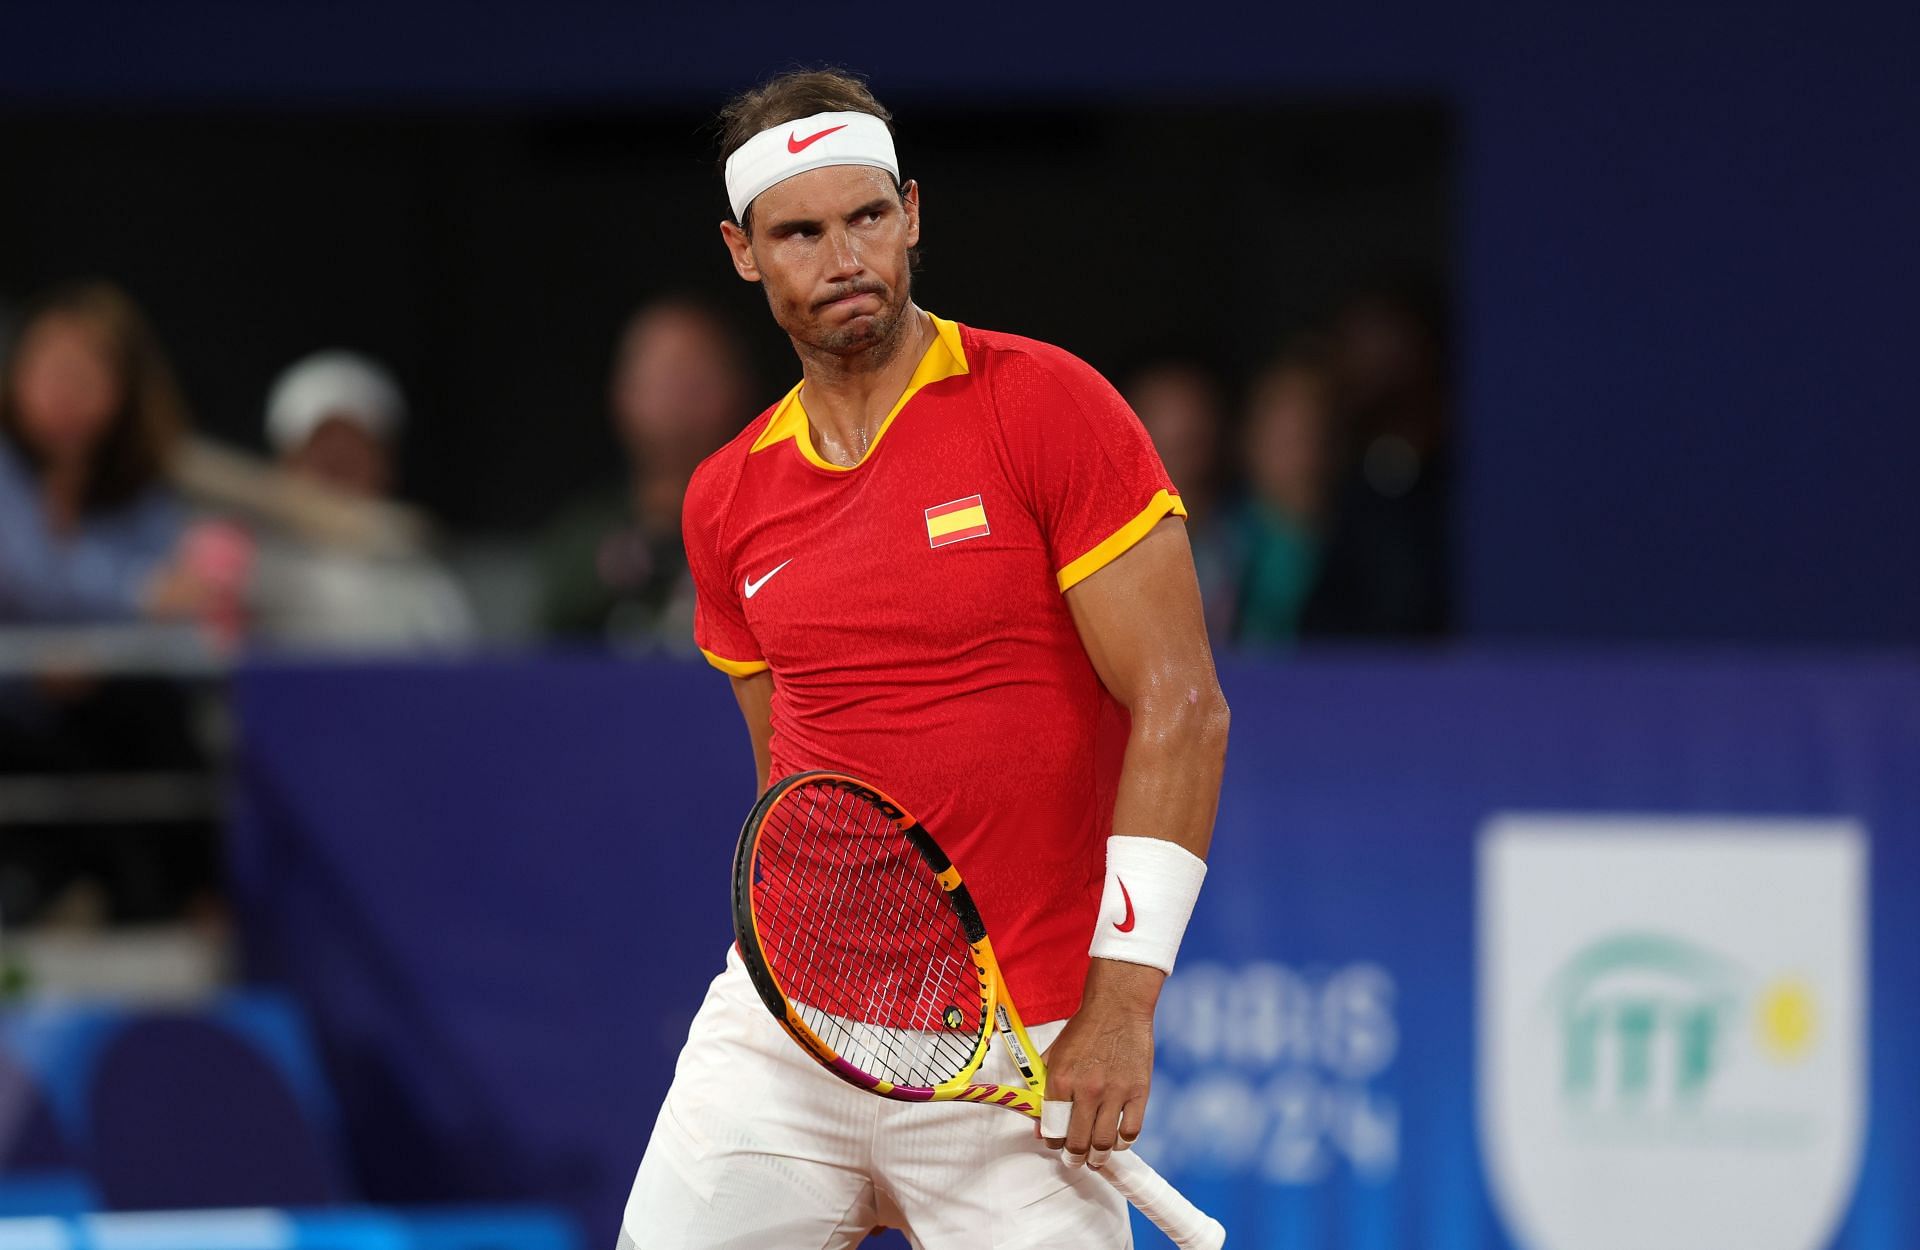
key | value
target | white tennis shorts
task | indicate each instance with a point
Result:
(757, 1147)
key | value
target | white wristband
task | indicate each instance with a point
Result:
(1152, 885)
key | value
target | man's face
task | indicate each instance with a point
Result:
(678, 391)
(1181, 412)
(1288, 425)
(65, 389)
(343, 454)
(830, 246)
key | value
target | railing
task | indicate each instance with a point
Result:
(109, 651)
(122, 803)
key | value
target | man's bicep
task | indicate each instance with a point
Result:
(1139, 618)
(754, 694)
(1141, 623)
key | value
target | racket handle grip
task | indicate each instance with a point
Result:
(1187, 1225)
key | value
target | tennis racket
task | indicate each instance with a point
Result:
(861, 939)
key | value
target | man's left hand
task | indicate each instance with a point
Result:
(1102, 1062)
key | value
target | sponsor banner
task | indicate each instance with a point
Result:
(1672, 1029)
(1276, 1074)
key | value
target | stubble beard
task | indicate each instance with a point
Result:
(861, 334)
(879, 333)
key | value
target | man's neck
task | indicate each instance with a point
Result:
(655, 497)
(63, 487)
(847, 397)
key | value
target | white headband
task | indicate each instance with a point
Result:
(794, 147)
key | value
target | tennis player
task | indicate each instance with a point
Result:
(948, 562)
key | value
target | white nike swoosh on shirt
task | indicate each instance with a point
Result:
(752, 587)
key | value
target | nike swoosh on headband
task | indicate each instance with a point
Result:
(797, 146)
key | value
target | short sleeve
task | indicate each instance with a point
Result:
(719, 627)
(1091, 474)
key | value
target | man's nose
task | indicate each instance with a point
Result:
(843, 259)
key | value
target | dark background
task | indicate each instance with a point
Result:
(1684, 254)
(492, 258)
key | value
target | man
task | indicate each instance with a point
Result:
(1180, 403)
(333, 417)
(612, 567)
(948, 561)
(334, 420)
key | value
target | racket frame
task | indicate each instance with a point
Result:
(1189, 1227)
(997, 1012)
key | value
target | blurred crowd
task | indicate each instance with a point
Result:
(1316, 487)
(1316, 490)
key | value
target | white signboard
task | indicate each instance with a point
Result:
(1672, 1029)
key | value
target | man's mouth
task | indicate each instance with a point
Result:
(858, 293)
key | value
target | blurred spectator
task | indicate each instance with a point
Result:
(89, 416)
(333, 420)
(90, 533)
(1385, 571)
(1280, 523)
(1181, 404)
(612, 567)
(333, 417)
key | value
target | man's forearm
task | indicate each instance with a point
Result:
(1169, 790)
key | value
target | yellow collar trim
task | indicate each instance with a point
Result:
(945, 358)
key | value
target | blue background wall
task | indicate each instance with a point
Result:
(500, 891)
(1687, 261)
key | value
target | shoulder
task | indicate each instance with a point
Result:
(716, 483)
(1003, 358)
(607, 501)
(1033, 384)
(718, 476)
(584, 520)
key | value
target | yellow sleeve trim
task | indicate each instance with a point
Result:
(1163, 504)
(735, 668)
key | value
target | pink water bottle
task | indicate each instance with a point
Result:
(220, 554)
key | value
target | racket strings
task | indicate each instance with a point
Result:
(862, 940)
(871, 1030)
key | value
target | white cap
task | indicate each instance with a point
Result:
(779, 152)
(332, 384)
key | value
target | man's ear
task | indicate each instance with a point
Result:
(740, 248)
(910, 202)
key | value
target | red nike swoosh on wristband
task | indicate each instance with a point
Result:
(797, 146)
(1125, 926)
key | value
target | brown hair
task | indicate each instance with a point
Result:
(788, 97)
(151, 416)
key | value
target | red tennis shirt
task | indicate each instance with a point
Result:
(913, 611)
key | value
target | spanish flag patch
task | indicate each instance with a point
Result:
(953, 522)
